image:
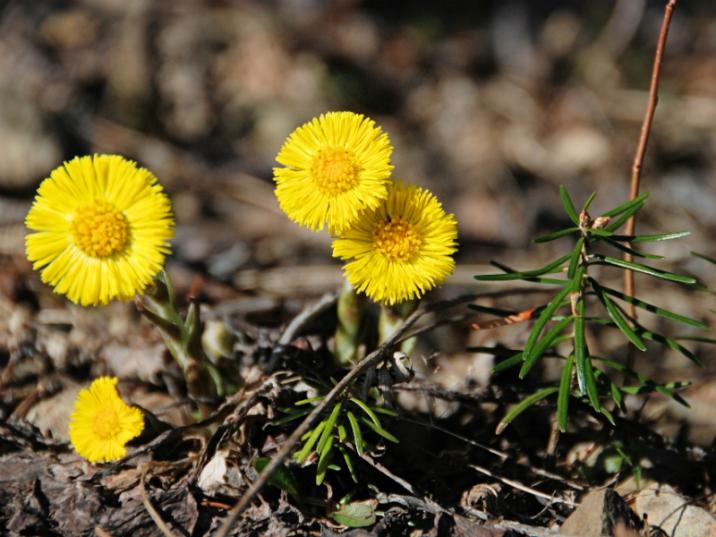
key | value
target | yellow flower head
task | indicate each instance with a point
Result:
(337, 165)
(102, 229)
(101, 423)
(402, 249)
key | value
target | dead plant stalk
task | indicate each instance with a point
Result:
(644, 140)
(310, 420)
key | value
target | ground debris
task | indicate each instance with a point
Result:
(599, 514)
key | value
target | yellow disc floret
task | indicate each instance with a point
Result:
(334, 170)
(397, 240)
(106, 424)
(99, 229)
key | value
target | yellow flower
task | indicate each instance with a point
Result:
(401, 249)
(102, 229)
(101, 423)
(337, 165)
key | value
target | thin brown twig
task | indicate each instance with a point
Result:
(387, 473)
(644, 139)
(503, 456)
(150, 508)
(519, 486)
(367, 362)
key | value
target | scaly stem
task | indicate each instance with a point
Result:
(350, 312)
(182, 337)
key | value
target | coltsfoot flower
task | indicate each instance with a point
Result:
(102, 423)
(402, 249)
(101, 226)
(336, 166)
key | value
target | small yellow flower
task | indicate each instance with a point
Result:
(402, 249)
(101, 423)
(337, 165)
(102, 229)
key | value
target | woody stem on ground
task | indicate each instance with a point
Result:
(310, 420)
(644, 139)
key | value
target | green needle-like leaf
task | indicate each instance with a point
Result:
(608, 415)
(669, 343)
(563, 396)
(312, 439)
(651, 238)
(323, 459)
(617, 396)
(545, 316)
(568, 205)
(349, 463)
(328, 429)
(380, 431)
(556, 235)
(365, 408)
(357, 435)
(617, 316)
(574, 258)
(622, 218)
(308, 401)
(632, 251)
(704, 257)
(523, 405)
(699, 339)
(651, 271)
(536, 279)
(550, 268)
(383, 410)
(542, 345)
(600, 233)
(588, 203)
(627, 205)
(512, 361)
(585, 372)
(654, 309)
(292, 416)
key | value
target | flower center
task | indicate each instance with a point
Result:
(99, 229)
(334, 170)
(106, 424)
(397, 240)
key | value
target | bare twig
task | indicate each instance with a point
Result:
(387, 473)
(150, 508)
(487, 527)
(644, 139)
(367, 362)
(519, 486)
(307, 315)
(501, 455)
(298, 323)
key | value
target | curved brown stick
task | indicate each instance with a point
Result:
(644, 139)
(308, 422)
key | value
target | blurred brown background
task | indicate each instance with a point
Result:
(490, 104)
